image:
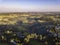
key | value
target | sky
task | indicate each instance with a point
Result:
(29, 5)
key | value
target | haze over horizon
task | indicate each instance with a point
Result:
(29, 5)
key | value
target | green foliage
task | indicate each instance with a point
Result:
(35, 42)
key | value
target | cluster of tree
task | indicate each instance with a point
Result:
(21, 34)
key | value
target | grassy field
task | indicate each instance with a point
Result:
(3, 44)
